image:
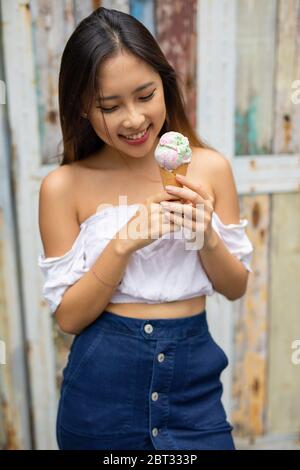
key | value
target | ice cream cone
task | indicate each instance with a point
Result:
(173, 155)
(169, 177)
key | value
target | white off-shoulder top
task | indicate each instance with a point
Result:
(164, 271)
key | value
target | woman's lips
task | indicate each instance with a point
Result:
(137, 141)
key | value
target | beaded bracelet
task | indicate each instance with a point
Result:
(105, 283)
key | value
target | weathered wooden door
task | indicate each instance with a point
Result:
(248, 107)
(235, 113)
(34, 34)
(14, 396)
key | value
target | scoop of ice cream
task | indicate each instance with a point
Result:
(172, 151)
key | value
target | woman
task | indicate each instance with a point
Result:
(143, 371)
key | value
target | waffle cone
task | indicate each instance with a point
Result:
(169, 177)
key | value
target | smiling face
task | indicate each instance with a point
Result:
(133, 101)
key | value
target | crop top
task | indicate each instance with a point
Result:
(163, 271)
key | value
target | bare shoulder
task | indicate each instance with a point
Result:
(212, 164)
(209, 166)
(58, 185)
(58, 179)
(216, 169)
(211, 160)
(57, 211)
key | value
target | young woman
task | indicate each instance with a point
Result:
(143, 371)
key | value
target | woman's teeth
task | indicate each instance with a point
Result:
(136, 136)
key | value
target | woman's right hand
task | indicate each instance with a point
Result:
(148, 223)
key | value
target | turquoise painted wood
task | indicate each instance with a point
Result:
(256, 45)
(144, 10)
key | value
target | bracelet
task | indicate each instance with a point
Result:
(105, 283)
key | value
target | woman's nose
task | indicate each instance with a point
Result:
(134, 119)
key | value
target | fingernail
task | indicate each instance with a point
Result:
(170, 188)
(179, 177)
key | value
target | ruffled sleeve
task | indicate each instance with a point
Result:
(60, 272)
(235, 238)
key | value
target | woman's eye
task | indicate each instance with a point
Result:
(107, 110)
(143, 98)
(148, 97)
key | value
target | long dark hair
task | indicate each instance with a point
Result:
(99, 36)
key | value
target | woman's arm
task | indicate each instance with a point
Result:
(85, 300)
(227, 274)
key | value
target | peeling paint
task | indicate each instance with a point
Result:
(52, 117)
(256, 214)
(177, 36)
(287, 127)
(251, 328)
(10, 432)
(262, 234)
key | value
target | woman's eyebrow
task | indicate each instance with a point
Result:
(139, 88)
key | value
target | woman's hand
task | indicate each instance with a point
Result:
(187, 214)
(148, 224)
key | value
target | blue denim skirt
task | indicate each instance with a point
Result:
(135, 384)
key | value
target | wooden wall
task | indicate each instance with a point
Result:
(266, 384)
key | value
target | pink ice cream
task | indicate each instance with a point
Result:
(172, 151)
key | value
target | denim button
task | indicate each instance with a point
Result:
(161, 357)
(154, 432)
(154, 396)
(148, 328)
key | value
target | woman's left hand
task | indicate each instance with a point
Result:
(197, 219)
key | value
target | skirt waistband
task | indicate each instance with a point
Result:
(170, 328)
